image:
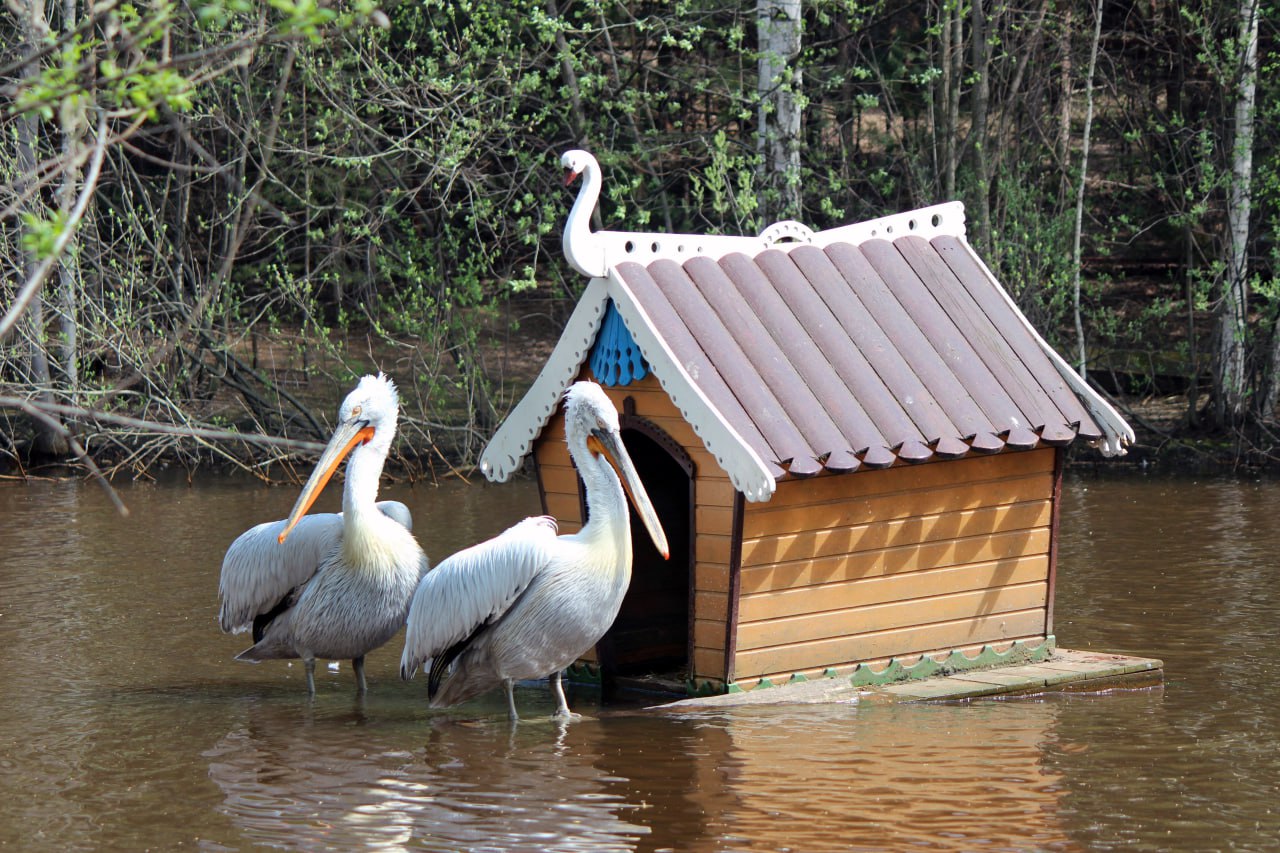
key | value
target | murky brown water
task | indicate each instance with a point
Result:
(124, 724)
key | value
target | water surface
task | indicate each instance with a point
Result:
(124, 723)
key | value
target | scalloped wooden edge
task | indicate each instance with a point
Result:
(928, 665)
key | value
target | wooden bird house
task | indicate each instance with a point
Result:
(853, 437)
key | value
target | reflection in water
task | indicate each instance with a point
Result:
(124, 724)
(890, 778)
(871, 778)
(480, 785)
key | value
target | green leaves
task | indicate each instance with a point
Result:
(40, 234)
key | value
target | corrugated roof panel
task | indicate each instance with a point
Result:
(757, 282)
(989, 339)
(978, 284)
(840, 356)
(866, 357)
(971, 423)
(831, 345)
(797, 403)
(940, 330)
(656, 296)
(785, 444)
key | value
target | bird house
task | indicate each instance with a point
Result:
(854, 439)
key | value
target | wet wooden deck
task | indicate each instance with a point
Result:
(1065, 670)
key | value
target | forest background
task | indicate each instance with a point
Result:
(217, 213)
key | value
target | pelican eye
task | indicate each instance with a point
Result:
(355, 413)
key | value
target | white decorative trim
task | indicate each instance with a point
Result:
(938, 220)
(736, 458)
(511, 443)
(1117, 435)
(514, 439)
(594, 253)
(787, 230)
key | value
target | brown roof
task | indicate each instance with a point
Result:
(848, 355)
(797, 352)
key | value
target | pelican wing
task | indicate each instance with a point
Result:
(258, 571)
(473, 588)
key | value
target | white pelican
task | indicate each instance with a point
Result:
(340, 586)
(527, 603)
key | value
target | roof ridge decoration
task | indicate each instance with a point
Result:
(594, 253)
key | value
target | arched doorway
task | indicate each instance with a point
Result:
(651, 637)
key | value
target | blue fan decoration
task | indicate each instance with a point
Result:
(616, 360)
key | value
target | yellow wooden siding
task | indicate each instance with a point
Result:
(910, 559)
(829, 598)
(879, 508)
(883, 617)
(903, 558)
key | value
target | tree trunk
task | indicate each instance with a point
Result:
(951, 64)
(49, 440)
(1082, 365)
(1229, 396)
(1062, 145)
(980, 42)
(779, 85)
(73, 127)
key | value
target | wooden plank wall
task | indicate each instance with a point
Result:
(713, 512)
(861, 567)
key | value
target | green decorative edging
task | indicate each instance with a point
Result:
(957, 661)
(863, 675)
(796, 678)
(706, 688)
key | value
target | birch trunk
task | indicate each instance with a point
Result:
(49, 439)
(779, 84)
(1082, 355)
(73, 131)
(1229, 399)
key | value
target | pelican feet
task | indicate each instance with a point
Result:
(562, 706)
(311, 677)
(358, 665)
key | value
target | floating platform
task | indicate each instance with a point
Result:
(1065, 670)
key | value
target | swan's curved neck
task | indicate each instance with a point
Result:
(585, 253)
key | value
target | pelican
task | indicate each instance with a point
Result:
(528, 602)
(340, 586)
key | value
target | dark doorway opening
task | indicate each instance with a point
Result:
(650, 639)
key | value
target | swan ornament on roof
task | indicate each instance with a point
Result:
(592, 253)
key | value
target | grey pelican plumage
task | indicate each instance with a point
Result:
(527, 603)
(329, 585)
